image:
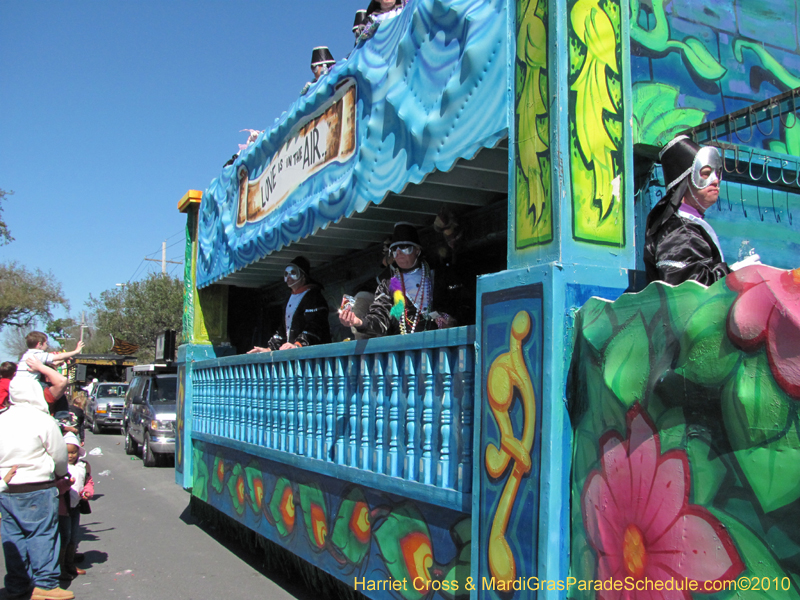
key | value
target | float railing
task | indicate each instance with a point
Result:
(390, 412)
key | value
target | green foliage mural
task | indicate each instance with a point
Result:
(595, 127)
(698, 62)
(370, 543)
(534, 210)
(686, 458)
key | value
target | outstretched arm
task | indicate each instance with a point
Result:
(62, 356)
(57, 381)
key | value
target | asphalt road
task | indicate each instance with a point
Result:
(141, 542)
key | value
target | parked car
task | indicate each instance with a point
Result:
(149, 420)
(106, 406)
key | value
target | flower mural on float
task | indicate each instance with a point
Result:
(639, 521)
(767, 311)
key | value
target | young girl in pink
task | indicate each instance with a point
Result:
(82, 489)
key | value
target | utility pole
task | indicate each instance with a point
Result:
(164, 260)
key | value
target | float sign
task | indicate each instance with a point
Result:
(328, 135)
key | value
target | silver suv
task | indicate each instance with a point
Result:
(106, 406)
(149, 420)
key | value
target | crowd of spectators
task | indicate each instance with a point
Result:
(46, 481)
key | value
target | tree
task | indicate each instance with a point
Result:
(138, 312)
(5, 235)
(27, 296)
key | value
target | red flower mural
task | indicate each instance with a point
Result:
(767, 311)
(639, 521)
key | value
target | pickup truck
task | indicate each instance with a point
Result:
(149, 419)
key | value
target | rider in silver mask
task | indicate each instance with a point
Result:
(679, 243)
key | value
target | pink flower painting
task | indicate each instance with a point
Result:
(767, 311)
(639, 521)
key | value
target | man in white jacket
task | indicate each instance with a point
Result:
(32, 441)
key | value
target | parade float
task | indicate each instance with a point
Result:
(587, 428)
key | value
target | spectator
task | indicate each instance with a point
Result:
(306, 313)
(679, 243)
(31, 440)
(50, 399)
(20, 388)
(69, 519)
(403, 303)
(7, 370)
(78, 409)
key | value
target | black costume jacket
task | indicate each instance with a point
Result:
(310, 324)
(680, 250)
(378, 321)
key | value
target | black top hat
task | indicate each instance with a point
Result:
(301, 262)
(361, 18)
(405, 233)
(321, 56)
(677, 159)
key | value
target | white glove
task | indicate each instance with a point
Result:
(751, 259)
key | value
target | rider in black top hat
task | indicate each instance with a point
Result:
(679, 243)
(403, 303)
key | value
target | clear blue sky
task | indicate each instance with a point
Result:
(111, 110)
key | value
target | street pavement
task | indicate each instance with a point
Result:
(141, 542)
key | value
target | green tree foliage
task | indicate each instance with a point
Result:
(140, 311)
(5, 236)
(27, 296)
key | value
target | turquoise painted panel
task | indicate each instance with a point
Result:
(365, 538)
(429, 88)
(512, 353)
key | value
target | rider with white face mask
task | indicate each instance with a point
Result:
(306, 312)
(679, 243)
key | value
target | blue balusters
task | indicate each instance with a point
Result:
(444, 476)
(298, 421)
(426, 373)
(393, 391)
(352, 404)
(275, 431)
(367, 399)
(311, 394)
(410, 465)
(330, 397)
(284, 404)
(319, 412)
(341, 396)
(379, 460)
(262, 378)
(466, 400)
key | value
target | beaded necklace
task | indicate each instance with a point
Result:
(400, 310)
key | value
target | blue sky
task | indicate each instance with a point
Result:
(111, 110)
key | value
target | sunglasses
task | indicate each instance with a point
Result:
(406, 249)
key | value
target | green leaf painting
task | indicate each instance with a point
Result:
(762, 423)
(315, 514)
(657, 116)
(405, 544)
(281, 507)
(218, 474)
(237, 488)
(352, 529)
(255, 487)
(199, 475)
